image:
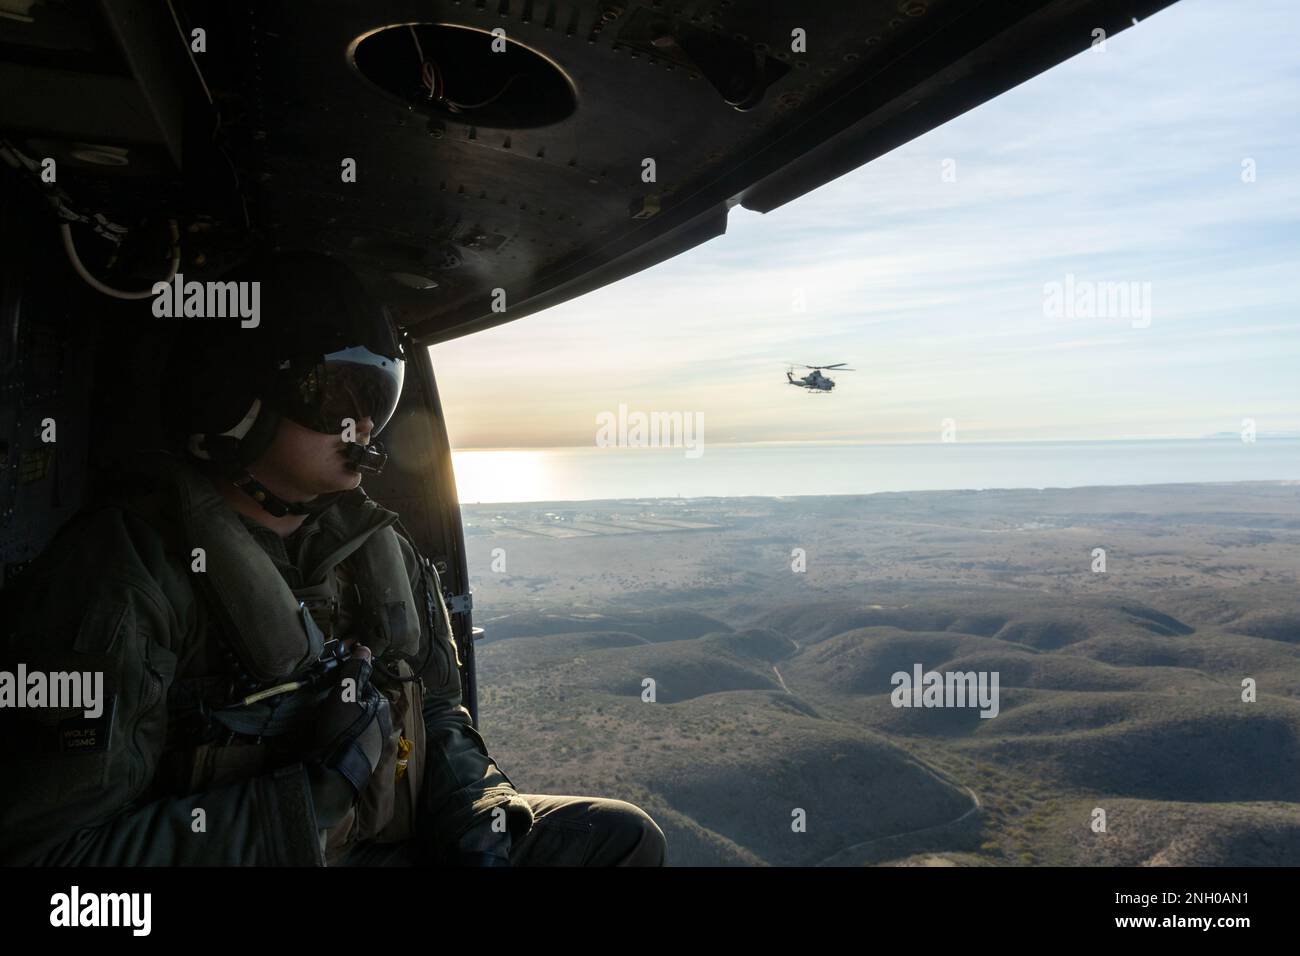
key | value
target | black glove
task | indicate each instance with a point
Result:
(349, 740)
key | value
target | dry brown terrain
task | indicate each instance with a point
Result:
(1120, 691)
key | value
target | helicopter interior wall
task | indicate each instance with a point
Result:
(47, 345)
(81, 393)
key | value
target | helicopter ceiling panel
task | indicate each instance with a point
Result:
(477, 160)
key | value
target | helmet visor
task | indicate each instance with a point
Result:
(353, 383)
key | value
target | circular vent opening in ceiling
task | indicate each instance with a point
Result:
(465, 75)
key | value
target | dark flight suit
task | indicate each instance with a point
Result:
(115, 593)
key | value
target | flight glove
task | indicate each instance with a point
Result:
(352, 725)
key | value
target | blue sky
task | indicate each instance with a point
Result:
(1118, 166)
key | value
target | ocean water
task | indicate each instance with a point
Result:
(580, 474)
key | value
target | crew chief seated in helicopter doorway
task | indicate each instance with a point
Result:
(306, 585)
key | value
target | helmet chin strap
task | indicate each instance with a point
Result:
(272, 502)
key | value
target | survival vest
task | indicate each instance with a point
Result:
(273, 637)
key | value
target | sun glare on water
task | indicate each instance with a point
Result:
(500, 475)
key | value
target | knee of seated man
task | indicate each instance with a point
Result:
(638, 839)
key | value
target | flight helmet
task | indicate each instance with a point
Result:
(321, 352)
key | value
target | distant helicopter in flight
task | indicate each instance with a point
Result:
(815, 381)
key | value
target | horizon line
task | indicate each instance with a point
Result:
(998, 489)
(1222, 436)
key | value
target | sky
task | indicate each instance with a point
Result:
(940, 273)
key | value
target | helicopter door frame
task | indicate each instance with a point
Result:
(444, 532)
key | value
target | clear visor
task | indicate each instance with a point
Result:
(353, 383)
